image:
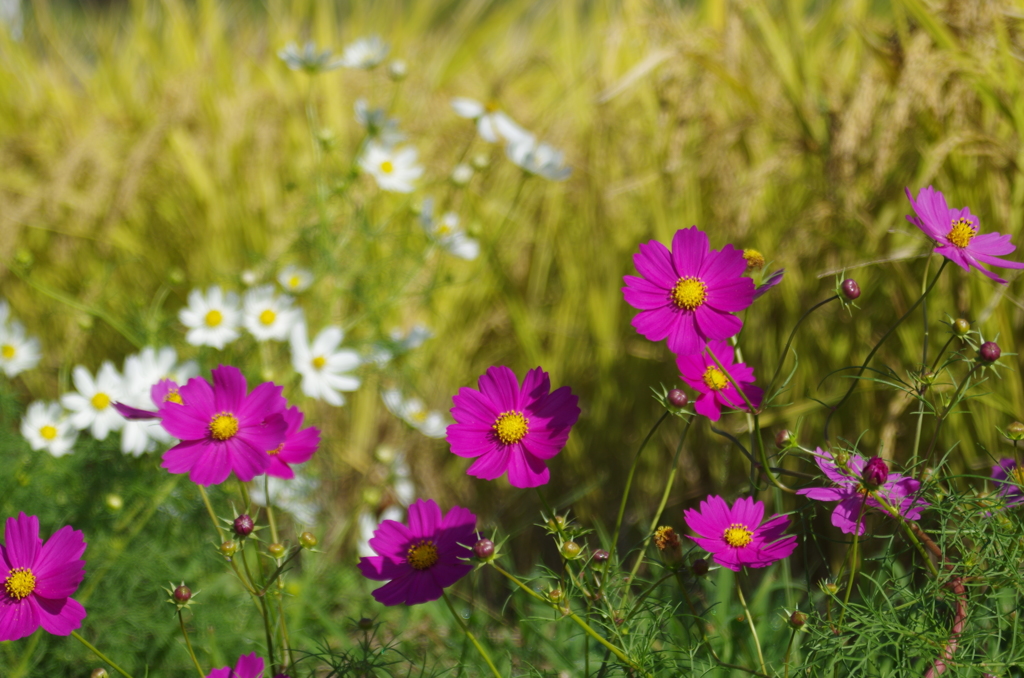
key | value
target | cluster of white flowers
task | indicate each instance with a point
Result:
(446, 232)
(413, 412)
(18, 352)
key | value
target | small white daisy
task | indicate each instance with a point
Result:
(398, 70)
(295, 279)
(267, 315)
(141, 372)
(378, 125)
(46, 428)
(413, 412)
(92, 406)
(446, 232)
(492, 124)
(17, 352)
(393, 169)
(462, 174)
(365, 53)
(538, 158)
(323, 365)
(308, 59)
(212, 318)
(294, 496)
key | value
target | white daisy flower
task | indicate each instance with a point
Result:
(492, 124)
(295, 279)
(398, 70)
(212, 318)
(413, 412)
(267, 315)
(308, 59)
(538, 158)
(249, 277)
(323, 365)
(46, 428)
(365, 53)
(393, 169)
(446, 232)
(294, 496)
(17, 352)
(378, 125)
(92, 406)
(462, 174)
(141, 372)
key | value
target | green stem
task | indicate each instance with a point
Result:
(267, 621)
(99, 654)
(209, 509)
(753, 630)
(789, 646)
(188, 643)
(789, 342)
(854, 560)
(469, 634)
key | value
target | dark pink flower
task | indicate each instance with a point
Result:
(734, 535)
(688, 294)
(423, 558)
(164, 391)
(39, 579)
(248, 666)
(298, 447)
(701, 373)
(955, 232)
(1010, 479)
(512, 428)
(222, 429)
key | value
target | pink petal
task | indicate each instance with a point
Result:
(526, 470)
(689, 249)
(21, 537)
(422, 588)
(725, 266)
(685, 337)
(229, 388)
(658, 324)
(644, 295)
(59, 617)
(424, 518)
(473, 407)
(59, 568)
(536, 386)
(17, 619)
(707, 405)
(491, 465)
(249, 666)
(654, 262)
(499, 383)
(715, 324)
(469, 442)
(391, 539)
(395, 592)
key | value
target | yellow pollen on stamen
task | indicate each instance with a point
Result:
(422, 555)
(173, 397)
(319, 362)
(419, 415)
(754, 259)
(511, 427)
(20, 583)
(276, 450)
(737, 535)
(387, 167)
(214, 318)
(268, 317)
(100, 401)
(715, 379)
(961, 232)
(7, 351)
(689, 293)
(48, 432)
(223, 426)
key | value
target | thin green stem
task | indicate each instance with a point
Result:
(789, 647)
(209, 509)
(939, 419)
(938, 356)
(789, 342)
(469, 634)
(99, 654)
(244, 491)
(267, 621)
(188, 644)
(854, 560)
(753, 629)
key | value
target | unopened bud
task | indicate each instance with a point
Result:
(182, 594)
(876, 472)
(677, 398)
(1015, 431)
(830, 588)
(557, 523)
(961, 327)
(601, 556)
(308, 540)
(555, 595)
(276, 549)
(783, 438)
(364, 624)
(989, 351)
(99, 673)
(570, 550)
(850, 288)
(243, 525)
(797, 619)
(700, 567)
(483, 549)
(228, 548)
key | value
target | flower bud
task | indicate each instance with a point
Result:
(182, 594)
(276, 549)
(114, 502)
(555, 595)
(754, 259)
(830, 587)
(601, 556)
(364, 624)
(783, 438)
(850, 288)
(961, 327)
(556, 524)
(797, 619)
(876, 472)
(308, 540)
(483, 549)
(570, 550)
(667, 541)
(243, 525)
(989, 351)
(677, 398)
(699, 567)
(99, 673)
(228, 549)
(1015, 431)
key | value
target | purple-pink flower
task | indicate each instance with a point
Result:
(855, 480)
(512, 428)
(164, 391)
(689, 294)
(735, 536)
(1010, 479)
(222, 429)
(700, 373)
(955, 232)
(248, 666)
(39, 579)
(422, 558)
(298, 447)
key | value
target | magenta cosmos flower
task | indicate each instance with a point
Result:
(955, 232)
(1010, 479)
(735, 537)
(248, 666)
(512, 428)
(39, 579)
(688, 294)
(700, 373)
(222, 429)
(854, 480)
(164, 391)
(423, 558)
(298, 447)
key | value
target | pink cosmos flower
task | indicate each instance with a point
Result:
(512, 428)
(701, 373)
(222, 429)
(854, 480)
(164, 391)
(39, 579)
(298, 447)
(248, 666)
(688, 294)
(1010, 478)
(955, 232)
(735, 536)
(423, 558)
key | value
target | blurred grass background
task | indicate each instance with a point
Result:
(151, 147)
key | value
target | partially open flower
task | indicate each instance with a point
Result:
(876, 472)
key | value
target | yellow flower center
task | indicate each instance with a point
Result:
(223, 426)
(268, 317)
(294, 281)
(214, 318)
(48, 432)
(755, 260)
(19, 583)
(689, 293)
(319, 362)
(1017, 475)
(100, 401)
(737, 535)
(666, 538)
(491, 106)
(419, 415)
(511, 427)
(422, 555)
(173, 397)
(961, 233)
(387, 167)
(715, 379)
(7, 351)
